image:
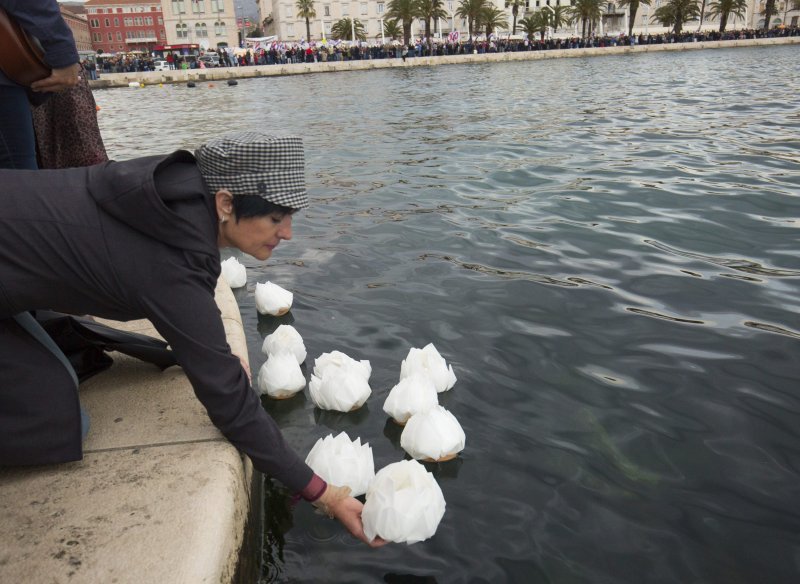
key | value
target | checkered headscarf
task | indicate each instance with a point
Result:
(249, 163)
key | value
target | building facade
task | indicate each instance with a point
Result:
(280, 18)
(76, 20)
(210, 24)
(122, 26)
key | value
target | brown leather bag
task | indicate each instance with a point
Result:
(21, 55)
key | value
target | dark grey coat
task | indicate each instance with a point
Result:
(120, 240)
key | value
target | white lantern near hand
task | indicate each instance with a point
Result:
(341, 389)
(343, 462)
(235, 274)
(285, 338)
(433, 436)
(272, 299)
(413, 394)
(428, 361)
(280, 377)
(404, 504)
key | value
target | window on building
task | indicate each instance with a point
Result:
(363, 8)
(219, 28)
(217, 6)
(181, 31)
(108, 22)
(116, 22)
(95, 23)
(380, 7)
(327, 10)
(163, 34)
(290, 30)
(450, 7)
(201, 30)
(178, 7)
(148, 20)
(110, 37)
(160, 20)
(345, 9)
(198, 6)
(119, 36)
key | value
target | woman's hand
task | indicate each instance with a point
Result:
(337, 502)
(59, 79)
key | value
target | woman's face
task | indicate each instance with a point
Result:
(256, 236)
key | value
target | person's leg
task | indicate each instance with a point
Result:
(17, 143)
(40, 418)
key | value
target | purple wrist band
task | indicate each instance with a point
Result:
(314, 489)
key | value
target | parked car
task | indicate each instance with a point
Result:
(210, 59)
(160, 66)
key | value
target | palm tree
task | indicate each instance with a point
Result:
(587, 11)
(515, 4)
(633, 8)
(404, 11)
(493, 19)
(343, 29)
(429, 10)
(769, 10)
(534, 24)
(724, 8)
(676, 13)
(305, 9)
(559, 16)
(471, 11)
(392, 29)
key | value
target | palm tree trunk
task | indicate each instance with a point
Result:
(769, 10)
(406, 31)
(633, 7)
(702, 15)
(723, 21)
(308, 30)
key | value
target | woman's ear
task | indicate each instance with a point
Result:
(224, 203)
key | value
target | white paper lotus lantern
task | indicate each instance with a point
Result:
(342, 389)
(428, 361)
(337, 359)
(343, 462)
(412, 395)
(285, 338)
(404, 504)
(272, 299)
(434, 435)
(235, 274)
(280, 377)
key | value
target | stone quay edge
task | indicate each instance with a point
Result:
(160, 495)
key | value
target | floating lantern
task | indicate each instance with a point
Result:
(235, 273)
(433, 436)
(404, 504)
(285, 338)
(343, 389)
(429, 362)
(272, 299)
(412, 395)
(280, 377)
(337, 359)
(343, 462)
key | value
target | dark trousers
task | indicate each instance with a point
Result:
(17, 142)
(40, 418)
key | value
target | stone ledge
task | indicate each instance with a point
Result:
(160, 495)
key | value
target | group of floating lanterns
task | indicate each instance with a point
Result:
(403, 500)
(188, 83)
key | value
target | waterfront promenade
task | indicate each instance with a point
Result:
(109, 80)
